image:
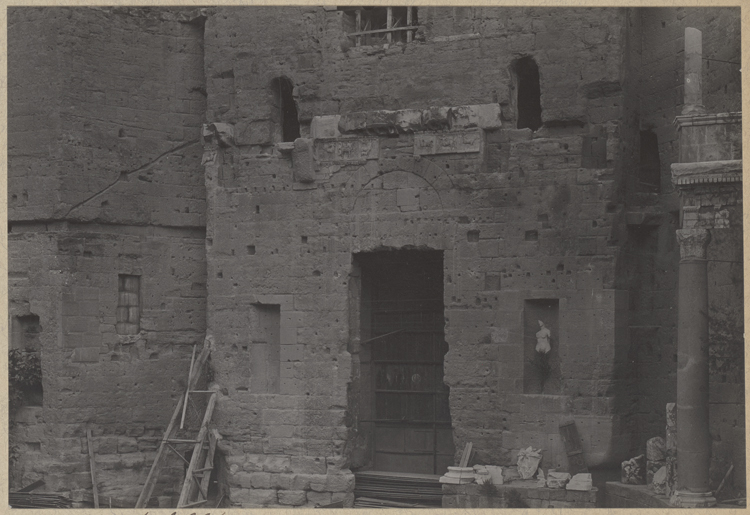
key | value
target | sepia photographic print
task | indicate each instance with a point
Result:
(375, 257)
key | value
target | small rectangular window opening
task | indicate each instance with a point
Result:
(380, 25)
(129, 304)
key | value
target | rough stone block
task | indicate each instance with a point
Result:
(348, 498)
(407, 199)
(408, 120)
(251, 498)
(651, 468)
(484, 116)
(243, 479)
(86, 354)
(292, 497)
(656, 449)
(659, 481)
(557, 480)
(308, 465)
(325, 127)
(352, 122)
(580, 482)
(634, 471)
(337, 483)
(276, 464)
(126, 444)
(436, 118)
(302, 158)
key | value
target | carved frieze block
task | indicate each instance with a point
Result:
(453, 142)
(346, 150)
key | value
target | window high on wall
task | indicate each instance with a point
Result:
(380, 25)
(528, 93)
(285, 110)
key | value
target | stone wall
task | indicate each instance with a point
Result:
(403, 146)
(519, 216)
(651, 255)
(470, 496)
(105, 179)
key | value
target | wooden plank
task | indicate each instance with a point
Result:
(93, 468)
(153, 474)
(570, 437)
(409, 34)
(389, 23)
(381, 31)
(465, 455)
(188, 485)
(573, 448)
(213, 437)
(32, 486)
(187, 391)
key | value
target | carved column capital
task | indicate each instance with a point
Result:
(693, 243)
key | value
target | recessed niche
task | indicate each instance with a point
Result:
(541, 329)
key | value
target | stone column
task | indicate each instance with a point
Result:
(693, 438)
(693, 97)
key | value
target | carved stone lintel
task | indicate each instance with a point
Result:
(693, 243)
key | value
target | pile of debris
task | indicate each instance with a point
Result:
(526, 470)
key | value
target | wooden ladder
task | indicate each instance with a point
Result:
(196, 479)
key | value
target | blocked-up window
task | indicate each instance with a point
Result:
(380, 25)
(129, 304)
(265, 346)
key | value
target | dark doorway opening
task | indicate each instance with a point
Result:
(528, 94)
(286, 107)
(403, 346)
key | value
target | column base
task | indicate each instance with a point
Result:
(686, 499)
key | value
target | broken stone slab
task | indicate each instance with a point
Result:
(670, 444)
(581, 482)
(557, 479)
(220, 133)
(540, 479)
(484, 116)
(651, 468)
(656, 449)
(528, 462)
(510, 473)
(671, 414)
(634, 471)
(496, 473)
(671, 473)
(659, 482)
(408, 120)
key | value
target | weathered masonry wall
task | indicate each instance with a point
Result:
(651, 254)
(105, 181)
(519, 217)
(174, 172)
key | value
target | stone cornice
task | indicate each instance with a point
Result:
(692, 120)
(686, 174)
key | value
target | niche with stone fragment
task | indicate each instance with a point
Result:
(541, 349)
